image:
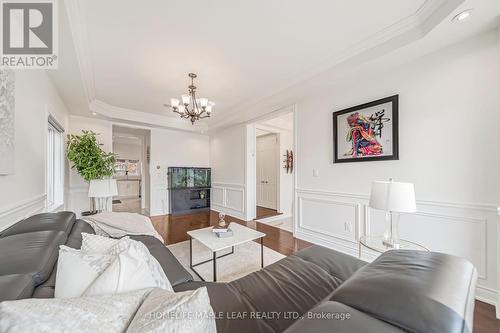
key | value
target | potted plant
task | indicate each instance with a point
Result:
(93, 164)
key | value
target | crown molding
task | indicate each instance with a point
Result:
(150, 119)
(78, 27)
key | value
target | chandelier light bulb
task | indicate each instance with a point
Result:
(203, 102)
(186, 99)
(174, 102)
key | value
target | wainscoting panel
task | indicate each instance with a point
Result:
(328, 217)
(217, 196)
(229, 198)
(159, 200)
(235, 199)
(462, 236)
(337, 220)
(14, 213)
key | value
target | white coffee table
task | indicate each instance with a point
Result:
(209, 239)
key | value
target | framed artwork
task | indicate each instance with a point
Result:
(7, 108)
(367, 132)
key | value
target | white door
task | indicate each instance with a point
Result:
(267, 170)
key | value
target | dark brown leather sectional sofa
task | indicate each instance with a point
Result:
(314, 290)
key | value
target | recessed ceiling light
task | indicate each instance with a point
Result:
(94, 114)
(462, 15)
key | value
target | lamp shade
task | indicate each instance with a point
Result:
(393, 196)
(103, 188)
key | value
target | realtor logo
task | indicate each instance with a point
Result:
(29, 38)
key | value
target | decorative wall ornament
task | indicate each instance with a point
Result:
(7, 116)
(367, 132)
(288, 161)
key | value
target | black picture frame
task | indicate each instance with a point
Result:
(394, 100)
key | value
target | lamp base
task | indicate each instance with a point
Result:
(391, 234)
(392, 243)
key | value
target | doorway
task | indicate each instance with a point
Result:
(266, 162)
(132, 146)
(274, 183)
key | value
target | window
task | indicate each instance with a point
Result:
(55, 164)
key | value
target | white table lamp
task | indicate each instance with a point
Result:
(102, 189)
(393, 198)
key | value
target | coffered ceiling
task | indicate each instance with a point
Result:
(124, 59)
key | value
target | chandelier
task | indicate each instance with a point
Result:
(192, 108)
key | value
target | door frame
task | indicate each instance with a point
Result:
(146, 178)
(250, 163)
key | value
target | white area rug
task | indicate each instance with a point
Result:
(244, 260)
(279, 221)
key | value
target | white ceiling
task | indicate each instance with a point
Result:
(130, 57)
(142, 51)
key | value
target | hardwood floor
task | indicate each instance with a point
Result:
(485, 320)
(174, 228)
(263, 212)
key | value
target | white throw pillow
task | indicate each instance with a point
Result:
(110, 246)
(163, 311)
(106, 314)
(127, 272)
(99, 244)
(77, 270)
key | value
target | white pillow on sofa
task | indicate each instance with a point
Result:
(107, 266)
(167, 312)
(99, 244)
(105, 313)
(127, 272)
(110, 246)
(144, 311)
(77, 270)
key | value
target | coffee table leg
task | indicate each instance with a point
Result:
(262, 252)
(215, 266)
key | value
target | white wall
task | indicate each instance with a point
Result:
(228, 163)
(449, 114)
(170, 148)
(23, 193)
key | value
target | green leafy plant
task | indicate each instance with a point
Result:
(87, 156)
